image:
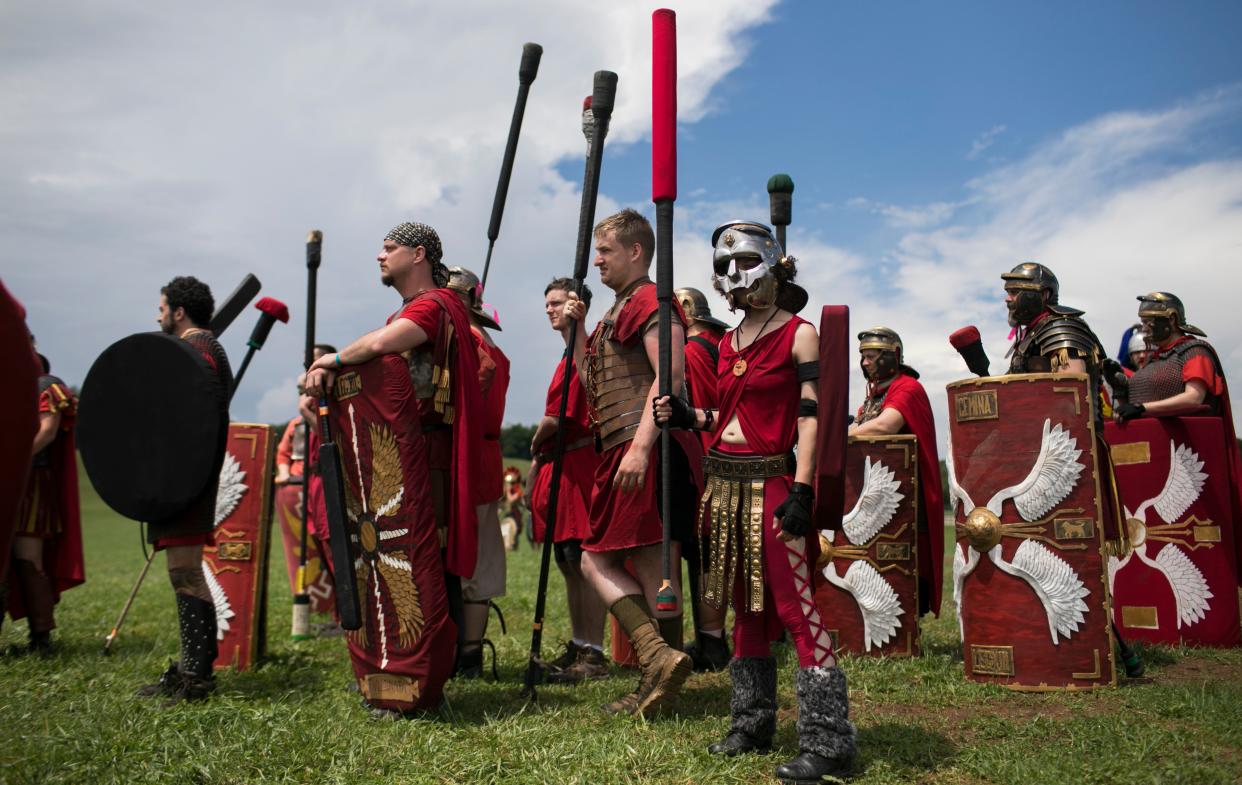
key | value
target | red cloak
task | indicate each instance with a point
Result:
(445, 326)
(906, 395)
(578, 470)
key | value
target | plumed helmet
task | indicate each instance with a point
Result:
(466, 282)
(1165, 304)
(1033, 276)
(694, 303)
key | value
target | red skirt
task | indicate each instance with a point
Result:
(622, 520)
(574, 505)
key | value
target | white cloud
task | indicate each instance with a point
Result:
(139, 142)
(984, 140)
(1111, 206)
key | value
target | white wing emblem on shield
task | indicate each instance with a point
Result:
(231, 488)
(876, 505)
(224, 611)
(1189, 586)
(1056, 583)
(963, 565)
(1051, 480)
(1182, 488)
(877, 602)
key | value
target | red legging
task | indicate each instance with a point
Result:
(788, 596)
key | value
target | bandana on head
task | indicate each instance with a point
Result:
(416, 234)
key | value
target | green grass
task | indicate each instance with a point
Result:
(74, 719)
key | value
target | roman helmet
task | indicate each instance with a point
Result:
(892, 354)
(465, 282)
(694, 304)
(749, 269)
(1027, 282)
(1160, 312)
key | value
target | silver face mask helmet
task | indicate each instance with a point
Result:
(744, 258)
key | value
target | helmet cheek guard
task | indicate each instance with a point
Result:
(1025, 306)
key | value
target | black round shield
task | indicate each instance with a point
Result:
(150, 425)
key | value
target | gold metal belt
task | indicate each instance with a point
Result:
(733, 497)
(747, 467)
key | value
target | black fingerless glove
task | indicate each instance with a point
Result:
(1116, 377)
(1128, 411)
(682, 415)
(795, 511)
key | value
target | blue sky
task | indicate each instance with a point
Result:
(933, 146)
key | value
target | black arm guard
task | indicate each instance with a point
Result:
(808, 408)
(808, 372)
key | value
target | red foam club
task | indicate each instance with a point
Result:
(965, 337)
(663, 105)
(273, 307)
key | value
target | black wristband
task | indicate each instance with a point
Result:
(808, 372)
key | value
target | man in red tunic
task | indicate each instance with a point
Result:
(47, 548)
(760, 497)
(429, 330)
(490, 569)
(703, 331)
(583, 657)
(186, 306)
(897, 403)
(1182, 371)
(619, 372)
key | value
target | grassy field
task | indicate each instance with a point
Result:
(74, 719)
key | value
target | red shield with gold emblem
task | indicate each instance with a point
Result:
(288, 516)
(1028, 564)
(403, 652)
(1178, 583)
(236, 566)
(870, 589)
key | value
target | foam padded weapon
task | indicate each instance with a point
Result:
(234, 304)
(527, 70)
(970, 346)
(346, 585)
(780, 198)
(270, 311)
(664, 193)
(601, 111)
(301, 600)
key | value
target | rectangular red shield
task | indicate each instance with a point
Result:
(403, 652)
(236, 566)
(288, 515)
(1178, 584)
(1024, 466)
(868, 586)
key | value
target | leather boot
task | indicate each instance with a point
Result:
(663, 668)
(825, 733)
(752, 706)
(709, 652)
(198, 647)
(40, 605)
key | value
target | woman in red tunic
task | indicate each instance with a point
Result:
(759, 498)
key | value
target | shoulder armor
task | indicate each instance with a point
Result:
(1067, 332)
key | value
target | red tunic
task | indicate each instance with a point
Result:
(491, 479)
(632, 520)
(907, 397)
(50, 509)
(765, 397)
(441, 315)
(578, 470)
